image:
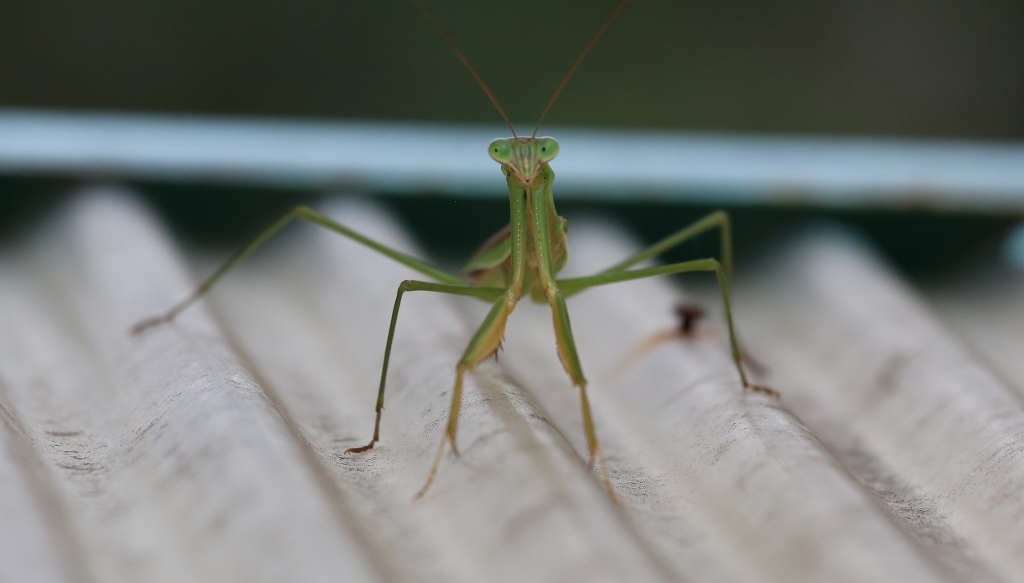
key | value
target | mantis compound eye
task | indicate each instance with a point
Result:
(501, 151)
(547, 148)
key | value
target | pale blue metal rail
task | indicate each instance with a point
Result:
(393, 157)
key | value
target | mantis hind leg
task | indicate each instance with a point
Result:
(716, 220)
(571, 362)
(302, 213)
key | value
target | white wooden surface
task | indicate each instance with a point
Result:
(909, 411)
(212, 449)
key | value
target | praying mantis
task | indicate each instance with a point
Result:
(521, 259)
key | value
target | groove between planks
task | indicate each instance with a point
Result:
(212, 449)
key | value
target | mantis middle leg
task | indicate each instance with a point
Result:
(578, 284)
(484, 293)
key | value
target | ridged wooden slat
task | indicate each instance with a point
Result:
(168, 461)
(213, 448)
(724, 482)
(898, 399)
(986, 309)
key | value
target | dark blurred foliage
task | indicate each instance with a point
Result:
(905, 67)
(911, 67)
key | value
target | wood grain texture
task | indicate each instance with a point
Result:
(899, 400)
(212, 449)
(168, 462)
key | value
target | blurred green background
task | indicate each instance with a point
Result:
(939, 68)
(907, 67)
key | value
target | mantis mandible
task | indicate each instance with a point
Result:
(523, 258)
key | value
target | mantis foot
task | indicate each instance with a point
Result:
(361, 449)
(148, 323)
(763, 389)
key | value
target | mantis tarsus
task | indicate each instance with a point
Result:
(523, 258)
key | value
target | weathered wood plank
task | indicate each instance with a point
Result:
(168, 459)
(213, 450)
(898, 400)
(723, 482)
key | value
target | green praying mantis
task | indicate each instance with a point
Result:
(521, 259)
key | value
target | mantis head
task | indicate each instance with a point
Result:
(523, 157)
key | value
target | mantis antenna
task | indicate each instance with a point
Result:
(448, 39)
(565, 80)
(576, 65)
